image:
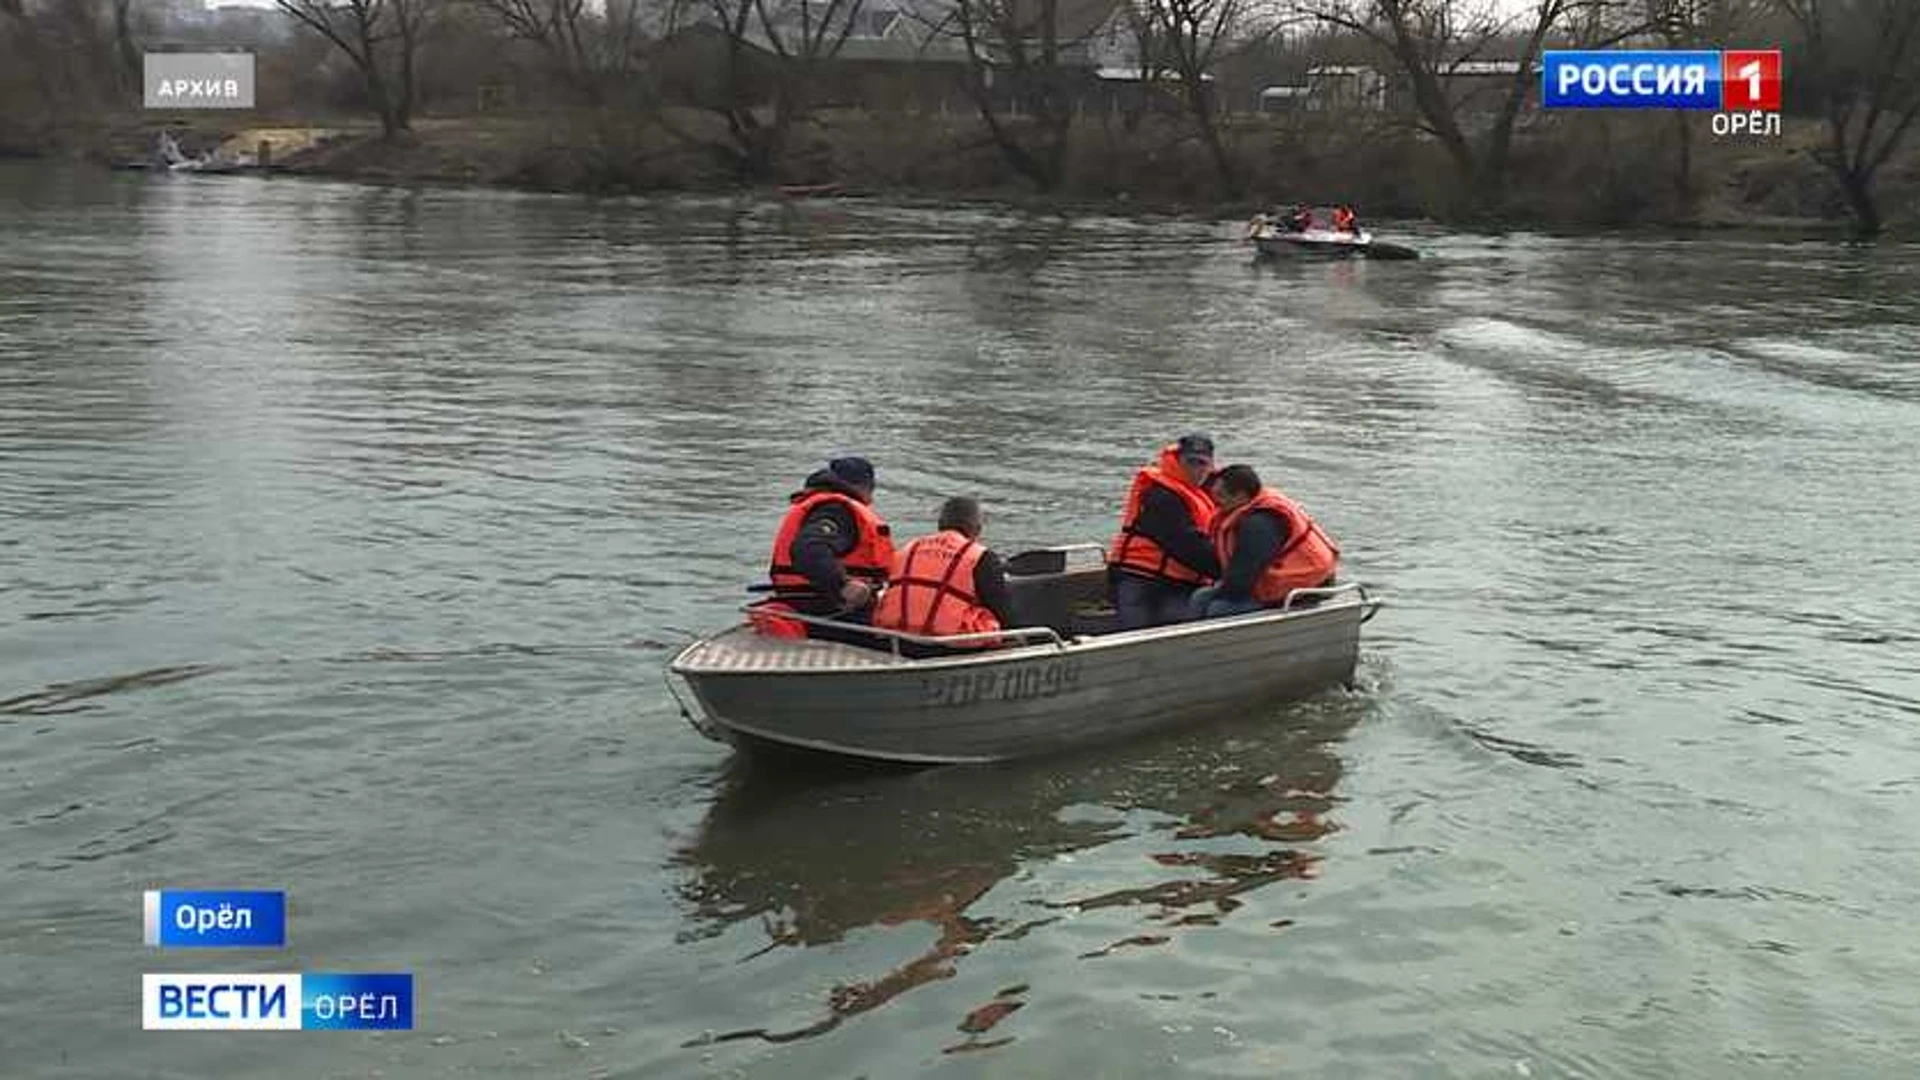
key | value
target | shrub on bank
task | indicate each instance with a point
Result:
(1601, 171)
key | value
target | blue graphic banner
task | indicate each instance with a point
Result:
(211, 919)
(1631, 79)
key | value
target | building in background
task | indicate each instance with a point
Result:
(1345, 87)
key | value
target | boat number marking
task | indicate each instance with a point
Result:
(1023, 683)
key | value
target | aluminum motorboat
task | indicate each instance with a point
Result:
(1067, 676)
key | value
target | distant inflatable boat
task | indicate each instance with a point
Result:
(1319, 239)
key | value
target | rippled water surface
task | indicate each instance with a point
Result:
(344, 534)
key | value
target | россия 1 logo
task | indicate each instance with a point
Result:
(1740, 86)
(1752, 80)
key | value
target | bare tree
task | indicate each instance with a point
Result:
(1680, 24)
(772, 52)
(1187, 36)
(1863, 59)
(553, 25)
(747, 150)
(382, 39)
(1710, 22)
(68, 49)
(1673, 24)
(1018, 50)
(130, 65)
(1430, 40)
(1151, 53)
(592, 46)
(802, 35)
(20, 44)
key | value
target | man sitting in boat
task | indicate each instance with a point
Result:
(1344, 220)
(1162, 552)
(1300, 220)
(830, 556)
(1267, 544)
(946, 584)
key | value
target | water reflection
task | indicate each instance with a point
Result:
(812, 854)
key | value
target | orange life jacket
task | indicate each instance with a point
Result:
(871, 559)
(1306, 560)
(765, 617)
(1343, 220)
(1136, 553)
(931, 590)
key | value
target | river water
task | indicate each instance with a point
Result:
(345, 532)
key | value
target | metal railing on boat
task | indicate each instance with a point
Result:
(1045, 634)
(1321, 591)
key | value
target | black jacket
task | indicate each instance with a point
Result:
(828, 534)
(1164, 520)
(1259, 536)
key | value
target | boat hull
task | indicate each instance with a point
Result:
(1317, 248)
(1295, 245)
(1017, 702)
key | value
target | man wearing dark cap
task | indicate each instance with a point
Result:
(831, 555)
(1163, 552)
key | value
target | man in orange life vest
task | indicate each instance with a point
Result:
(1267, 544)
(832, 552)
(1162, 552)
(947, 583)
(1344, 220)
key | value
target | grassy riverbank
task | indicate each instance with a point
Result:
(1586, 170)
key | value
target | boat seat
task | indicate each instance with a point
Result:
(1074, 602)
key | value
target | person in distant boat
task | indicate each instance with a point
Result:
(1267, 544)
(1300, 220)
(831, 554)
(1162, 552)
(1344, 220)
(947, 583)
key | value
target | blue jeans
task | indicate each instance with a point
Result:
(1143, 602)
(1209, 604)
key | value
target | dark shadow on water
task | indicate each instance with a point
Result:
(1020, 247)
(812, 850)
